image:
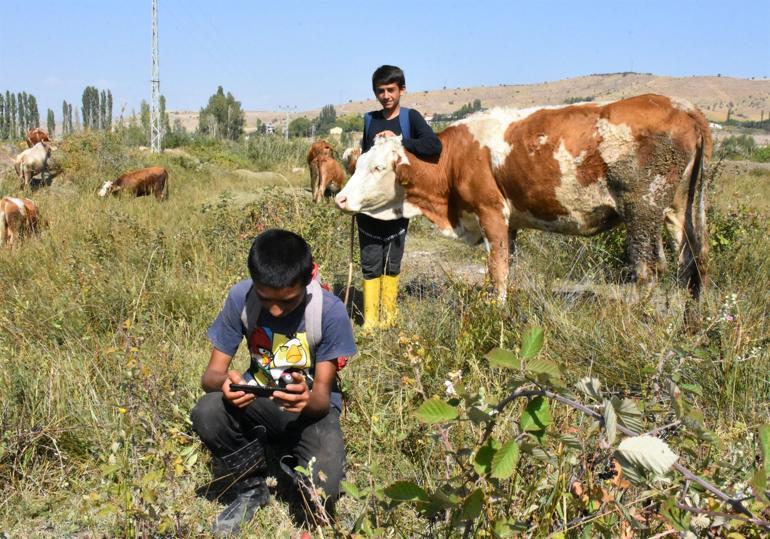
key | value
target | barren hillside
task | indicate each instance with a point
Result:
(714, 95)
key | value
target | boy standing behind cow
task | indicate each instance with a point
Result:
(382, 241)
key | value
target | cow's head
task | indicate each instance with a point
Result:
(373, 188)
(106, 188)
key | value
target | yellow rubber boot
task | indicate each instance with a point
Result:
(389, 295)
(372, 288)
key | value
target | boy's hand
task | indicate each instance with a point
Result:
(386, 133)
(296, 396)
(241, 399)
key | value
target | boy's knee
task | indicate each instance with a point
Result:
(206, 415)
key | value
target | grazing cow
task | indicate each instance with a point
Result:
(330, 177)
(350, 158)
(148, 181)
(36, 135)
(18, 217)
(32, 161)
(579, 169)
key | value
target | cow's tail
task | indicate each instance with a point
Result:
(696, 243)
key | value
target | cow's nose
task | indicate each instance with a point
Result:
(340, 201)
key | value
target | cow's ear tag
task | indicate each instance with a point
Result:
(404, 182)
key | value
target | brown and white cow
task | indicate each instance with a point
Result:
(350, 158)
(36, 135)
(147, 181)
(579, 169)
(31, 162)
(330, 177)
(18, 217)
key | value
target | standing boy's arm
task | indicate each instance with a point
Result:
(424, 141)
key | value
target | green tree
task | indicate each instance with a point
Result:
(299, 127)
(13, 131)
(103, 110)
(108, 117)
(86, 109)
(144, 117)
(351, 122)
(64, 116)
(21, 113)
(33, 116)
(51, 123)
(222, 117)
(326, 119)
(3, 134)
(165, 127)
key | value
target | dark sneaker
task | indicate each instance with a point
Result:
(252, 493)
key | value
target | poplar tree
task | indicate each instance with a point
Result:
(21, 113)
(33, 115)
(51, 123)
(13, 130)
(2, 118)
(103, 111)
(144, 118)
(109, 111)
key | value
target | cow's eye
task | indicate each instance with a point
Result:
(379, 168)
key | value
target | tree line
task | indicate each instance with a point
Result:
(18, 114)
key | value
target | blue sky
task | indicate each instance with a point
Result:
(307, 54)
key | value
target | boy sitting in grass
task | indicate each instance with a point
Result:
(295, 332)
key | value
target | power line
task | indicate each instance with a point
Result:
(287, 108)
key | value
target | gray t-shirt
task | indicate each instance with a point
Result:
(277, 344)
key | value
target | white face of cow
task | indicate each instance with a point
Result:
(373, 188)
(105, 189)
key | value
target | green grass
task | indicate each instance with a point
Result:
(103, 321)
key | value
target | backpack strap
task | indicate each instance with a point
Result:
(313, 313)
(367, 125)
(403, 120)
(250, 312)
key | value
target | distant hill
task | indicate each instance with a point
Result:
(749, 99)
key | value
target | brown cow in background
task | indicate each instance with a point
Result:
(18, 217)
(330, 177)
(148, 181)
(319, 148)
(36, 135)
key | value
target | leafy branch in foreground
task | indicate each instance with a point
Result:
(512, 476)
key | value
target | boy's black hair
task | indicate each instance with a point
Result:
(388, 75)
(280, 259)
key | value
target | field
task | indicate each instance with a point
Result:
(102, 345)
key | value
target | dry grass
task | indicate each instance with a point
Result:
(102, 342)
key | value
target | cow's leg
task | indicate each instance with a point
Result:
(512, 233)
(495, 228)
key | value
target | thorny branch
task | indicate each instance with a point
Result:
(685, 472)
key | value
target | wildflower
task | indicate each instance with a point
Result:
(271, 481)
(450, 388)
(700, 522)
